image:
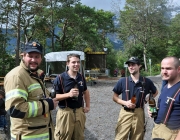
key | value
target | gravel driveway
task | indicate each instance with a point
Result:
(102, 118)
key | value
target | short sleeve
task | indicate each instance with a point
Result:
(57, 85)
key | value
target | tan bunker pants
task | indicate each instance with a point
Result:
(70, 124)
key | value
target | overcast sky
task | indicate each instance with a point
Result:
(100, 4)
(107, 4)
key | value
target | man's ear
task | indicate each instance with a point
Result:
(179, 69)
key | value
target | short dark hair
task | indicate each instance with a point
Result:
(176, 61)
(72, 55)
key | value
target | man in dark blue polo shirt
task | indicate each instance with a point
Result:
(71, 91)
(131, 117)
(167, 123)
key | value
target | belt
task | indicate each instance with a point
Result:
(129, 109)
(63, 107)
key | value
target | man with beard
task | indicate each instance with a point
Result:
(134, 90)
(74, 101)
(27, 100)
(167, 122)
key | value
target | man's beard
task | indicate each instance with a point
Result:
(134, 73)
(28, 66)
(33, 70)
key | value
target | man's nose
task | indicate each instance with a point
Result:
(33, 59)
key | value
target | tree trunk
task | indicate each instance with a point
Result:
(18, 34)
(144, 55)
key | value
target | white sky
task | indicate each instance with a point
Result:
(107, 5)
(101, 4)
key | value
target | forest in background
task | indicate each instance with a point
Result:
(147, 28)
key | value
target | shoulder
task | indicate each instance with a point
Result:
(123, 80)
(64, 74)
(16, 77)
(177, 85)
(147, 80)
(57, 79)
(16, 72)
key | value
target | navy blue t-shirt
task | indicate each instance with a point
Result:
(135, 88)
(164, 82)
(68, 84)
(174, 117)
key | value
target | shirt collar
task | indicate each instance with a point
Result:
(140, 79)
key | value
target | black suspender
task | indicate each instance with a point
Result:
(143, 88)
(62, 85)
(128, 91)
(61, 81)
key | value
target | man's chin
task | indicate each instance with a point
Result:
(165, 78)
(33, 69)
(75, 70)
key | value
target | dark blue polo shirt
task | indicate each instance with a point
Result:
(174, 118)
(68, 84)
(135, 88)
(164, 82)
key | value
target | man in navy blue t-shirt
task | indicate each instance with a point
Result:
(167, 123)
(131, 117)
(74, 101)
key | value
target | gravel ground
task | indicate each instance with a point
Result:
(102, 118)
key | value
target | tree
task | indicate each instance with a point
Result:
(141, 23)
(174, 40)
(69, 24)
(19, 15)
(78, 26)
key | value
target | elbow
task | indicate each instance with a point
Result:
(14, 113)
(114, 99)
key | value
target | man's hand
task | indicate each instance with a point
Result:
(74, 92)
(149, 112)
(55, 101)
(130, 105)
(86, 109)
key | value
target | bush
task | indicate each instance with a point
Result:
(156, 69)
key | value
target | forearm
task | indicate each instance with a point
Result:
(87, 98)
(22, 109)
(154, 95)
(118, 100)
(63, 96)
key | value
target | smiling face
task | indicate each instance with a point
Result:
(170, 69)
(133, 68)
(73, 64)
(32, 60)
